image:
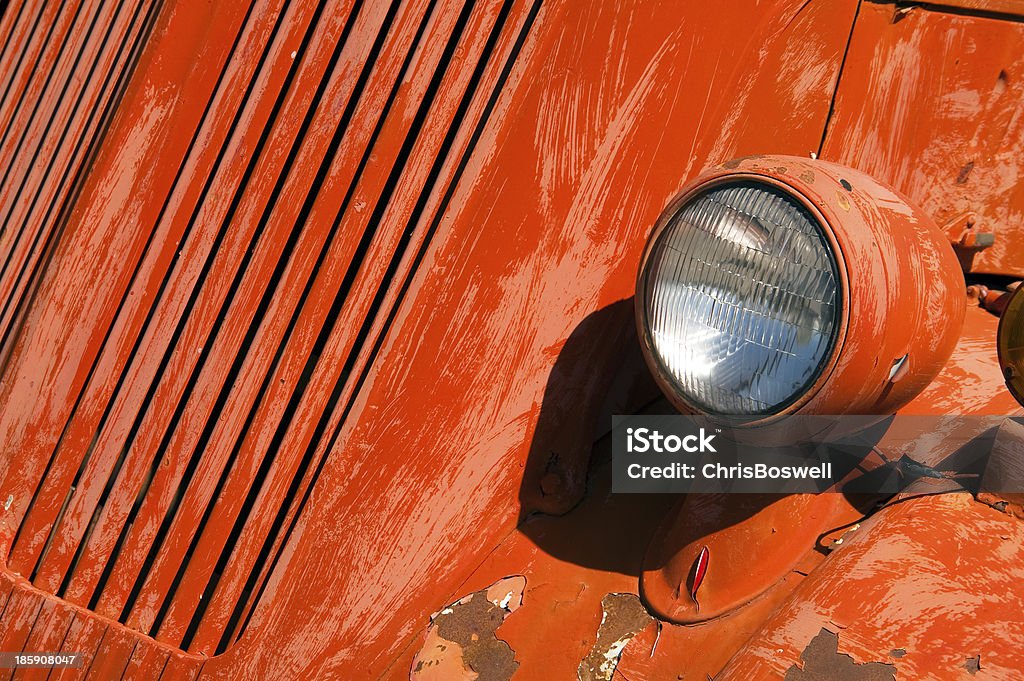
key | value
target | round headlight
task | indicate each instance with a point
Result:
(777, 285)
(741, 299)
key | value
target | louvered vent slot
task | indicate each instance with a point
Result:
(325, 156)
(64, 67)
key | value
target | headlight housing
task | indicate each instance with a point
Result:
(778, 284)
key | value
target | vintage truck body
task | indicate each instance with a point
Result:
(313, 316)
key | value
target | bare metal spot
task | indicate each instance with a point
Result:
(822, 660)
(623, 618)
(842, 200)
(965, 173)
(901, 13)
(461, 643)
(735, 162)
(1000, 87)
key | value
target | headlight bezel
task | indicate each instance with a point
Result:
(793, 190)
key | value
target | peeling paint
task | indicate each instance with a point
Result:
(924, 107)
(822, 660)
(461, 642)
(623, 617)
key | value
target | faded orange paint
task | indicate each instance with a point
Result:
(894, 263)
(938, 578)
(931, 105)
(753, 541)
(295, 326)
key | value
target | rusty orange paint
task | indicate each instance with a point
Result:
(971, 382)
(894, 264)
(930, 104)
(48, 633)
(996, 8)
(737, 528)
(448, 353)
(909, 557)
(307, 305)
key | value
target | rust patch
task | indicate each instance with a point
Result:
(807, 176)
(461, 641)
(973, 664)
(1014, 509)
(965, 173)
(623, 618)
(822, 660)
(731, 164)
(842, 201)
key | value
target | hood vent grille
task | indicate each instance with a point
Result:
(186, 439)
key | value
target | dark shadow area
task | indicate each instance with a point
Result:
(566, 504)
(567, 507)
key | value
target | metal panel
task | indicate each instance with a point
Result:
(84, 636)
(70, 63)
(608, 110)
(901, 592)
(48, 633)
(1009, 8)
(242, 311)
(282, 373)
(930, 102)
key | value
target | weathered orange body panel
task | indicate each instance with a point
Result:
(931, 104)
(307, 307)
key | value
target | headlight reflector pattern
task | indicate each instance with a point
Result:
(741, 300)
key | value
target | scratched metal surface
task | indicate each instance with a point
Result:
(931, 103)
(901, 591)
(262, 225)
(284, 353)
(599, 138)
(570, 563)
(64, 66)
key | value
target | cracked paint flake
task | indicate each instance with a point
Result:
(623, 617)
(822, 660)
(461, 641)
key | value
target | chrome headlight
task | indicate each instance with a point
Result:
(776, 285)
(740, 299)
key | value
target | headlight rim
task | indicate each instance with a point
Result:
(1007, 352)
(792, 188)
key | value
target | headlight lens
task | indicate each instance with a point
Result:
(741, 299)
